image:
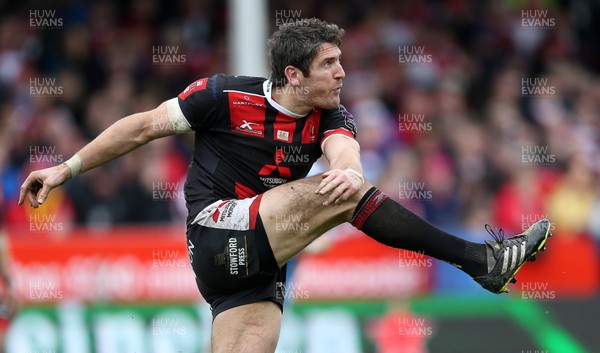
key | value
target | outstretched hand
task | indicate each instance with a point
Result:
(340, 185)
(38, 184)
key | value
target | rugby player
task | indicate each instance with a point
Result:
(255, 141)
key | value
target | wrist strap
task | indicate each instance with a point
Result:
(352, 171)
(74, 164)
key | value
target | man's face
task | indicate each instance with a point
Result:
(323, 85)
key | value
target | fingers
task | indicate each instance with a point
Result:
(345, 196)
(31, 194)
(335, 196)
(326, 184)
(42, 195)
(23, 191)
(32, 201)
(30, 189)
(338, 185)
(38, 184)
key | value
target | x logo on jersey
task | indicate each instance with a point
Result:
(246, 125)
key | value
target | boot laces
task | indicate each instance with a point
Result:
(498, 237)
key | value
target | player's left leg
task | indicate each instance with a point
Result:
(293, 216)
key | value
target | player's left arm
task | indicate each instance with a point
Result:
(345, 175)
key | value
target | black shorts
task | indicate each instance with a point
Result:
(231, 256)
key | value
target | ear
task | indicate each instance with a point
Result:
(293, 75)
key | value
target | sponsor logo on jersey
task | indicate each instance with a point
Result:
(249, 127)
(271, 182)
(194, 87)
(247, 113)
(236, 256)
(223, 210)
(283, 135)
(248, 101)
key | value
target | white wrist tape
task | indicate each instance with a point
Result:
(74, 164)
(352, 171)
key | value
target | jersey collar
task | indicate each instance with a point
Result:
(267, 89)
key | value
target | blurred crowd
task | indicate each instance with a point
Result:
(468, 112)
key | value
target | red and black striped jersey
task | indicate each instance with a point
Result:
(246, 143)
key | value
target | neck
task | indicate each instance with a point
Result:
(289, 100)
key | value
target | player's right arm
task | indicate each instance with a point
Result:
(122, 137)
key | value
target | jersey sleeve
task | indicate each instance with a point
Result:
(337, 121)
(198, 102)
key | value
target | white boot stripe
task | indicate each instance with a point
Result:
(514, 257)
(522, 251)
(505, 261)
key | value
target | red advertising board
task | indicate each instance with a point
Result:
(126, 264)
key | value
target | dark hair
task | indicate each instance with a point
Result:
(296, 43)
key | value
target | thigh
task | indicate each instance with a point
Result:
(248, 328)
(293, 215)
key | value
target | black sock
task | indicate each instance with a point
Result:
(388, 222)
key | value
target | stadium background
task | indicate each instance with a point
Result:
(469, 112)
